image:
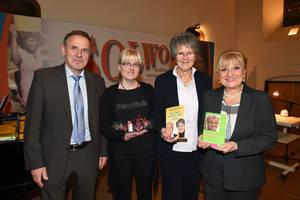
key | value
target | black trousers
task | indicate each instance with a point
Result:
(180, 175)
(82, 167)
(122, 171)
(217, 190)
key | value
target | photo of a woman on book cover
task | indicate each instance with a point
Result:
(212, 122)
(180, 124)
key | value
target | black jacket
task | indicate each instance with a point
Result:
(254, 132)
(165, 95)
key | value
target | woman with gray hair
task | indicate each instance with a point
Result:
(184, 85)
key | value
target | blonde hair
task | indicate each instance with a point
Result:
(234, 56)
(212, 117)
(128, 53)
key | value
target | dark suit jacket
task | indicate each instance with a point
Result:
(48, 126)
(254, 132)
(166, 95)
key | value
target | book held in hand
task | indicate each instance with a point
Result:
(175, 123)
(214, 131)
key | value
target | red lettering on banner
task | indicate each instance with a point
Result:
(163, 48)
(92, 65)
(94, 46)
(151, 54)
(104, 58)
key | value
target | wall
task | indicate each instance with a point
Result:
(269, 50)
(166, 17)
(253, 26)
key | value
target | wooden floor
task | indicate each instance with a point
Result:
(275, 188)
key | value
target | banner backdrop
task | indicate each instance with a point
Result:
(29, 43)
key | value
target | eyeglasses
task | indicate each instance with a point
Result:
(128, 64)
(188, 54)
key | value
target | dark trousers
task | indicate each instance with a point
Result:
(180, 175)
(82, 167)
(217, 190)
(122, 172)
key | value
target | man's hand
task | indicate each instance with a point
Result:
(102, 162)
(38, 175)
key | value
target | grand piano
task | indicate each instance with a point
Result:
(15, 182)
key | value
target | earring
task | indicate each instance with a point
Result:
(219, 82)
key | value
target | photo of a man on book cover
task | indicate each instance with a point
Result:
(169, 129)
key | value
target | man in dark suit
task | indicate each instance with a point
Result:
(60, 141)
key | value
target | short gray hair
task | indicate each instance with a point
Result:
(184, 39)
(180, 121)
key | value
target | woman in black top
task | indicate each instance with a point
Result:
(235, 170)
(124, 118)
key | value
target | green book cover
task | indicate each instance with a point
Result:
(214, 131)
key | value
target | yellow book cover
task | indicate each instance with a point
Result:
(7, 132)
(175, 123)
(11, 130)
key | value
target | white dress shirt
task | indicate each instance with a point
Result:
(82, 84)
(187, 96)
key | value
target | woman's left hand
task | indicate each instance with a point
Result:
(227, 147)
(201, 144)
(130, 135)
(142, 132)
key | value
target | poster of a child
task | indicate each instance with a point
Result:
(27, 54)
